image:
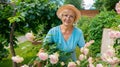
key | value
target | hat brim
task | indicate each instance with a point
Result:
(70, 7)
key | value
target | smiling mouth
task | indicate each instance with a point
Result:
(67, 22)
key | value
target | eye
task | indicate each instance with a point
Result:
(66, 15)
(71, 16)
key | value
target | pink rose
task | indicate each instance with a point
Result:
(118, 34)
(17, 59)
(53, 59)
(82, 57)
(110, 52)
(99, 65)
(43, 56)
(110, 60)
(71, 64)
(112, 34)
(90, 60)
(91, 65)
(30, 36)
(85, 51)
(117, 7)
(113, 60)
(104, 57)
(89, 43)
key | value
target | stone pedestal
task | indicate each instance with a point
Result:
(106, 40)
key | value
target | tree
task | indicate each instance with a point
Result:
(76, 3)
(105, 4)
(29, 15)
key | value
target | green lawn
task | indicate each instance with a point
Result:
(25, 50)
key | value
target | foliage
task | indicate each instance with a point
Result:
(5, 12)
(117, 47)
(76, 3)
(106, 19)
(83, 24)
(105, 4)
(36, 15)
(92, 28)
(32, 15)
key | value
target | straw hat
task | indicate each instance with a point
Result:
(71, 7)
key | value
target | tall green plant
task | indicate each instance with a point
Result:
(106, 19)
(83, 24)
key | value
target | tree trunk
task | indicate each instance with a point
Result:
(11, 38)
(11, 43)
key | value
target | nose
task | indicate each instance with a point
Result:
(68, 17)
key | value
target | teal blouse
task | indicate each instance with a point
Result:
(76, 39)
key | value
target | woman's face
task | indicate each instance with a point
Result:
(68, 17)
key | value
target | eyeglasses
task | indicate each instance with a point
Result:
(68, 16)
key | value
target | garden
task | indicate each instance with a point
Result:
(32, 19)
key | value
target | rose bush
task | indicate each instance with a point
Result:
(51, 56)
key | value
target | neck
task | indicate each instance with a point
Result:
(66, 27)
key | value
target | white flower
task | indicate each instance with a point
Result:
(99, 65)
(24, 65)
(56, 54)
(86, 51)
(71, 64)
(91, 65)
(90, 60)
(17, 59)
(30, 36)
(119, 26)
(54, 58)
(78, 62)
(82, 57)
(62, 63)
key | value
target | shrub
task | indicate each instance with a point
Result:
(106, 19)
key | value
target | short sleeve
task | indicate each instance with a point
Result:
(81, 41)
(48, 37)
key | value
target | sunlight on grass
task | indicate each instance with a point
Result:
(25, 50)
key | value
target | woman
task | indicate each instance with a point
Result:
(66, 35)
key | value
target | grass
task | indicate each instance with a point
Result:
(27, 51)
